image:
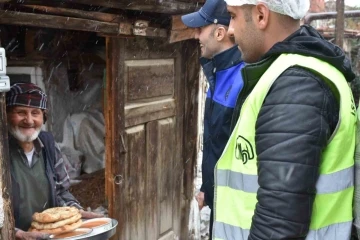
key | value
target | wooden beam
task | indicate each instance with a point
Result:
(141, 28)
(191, 67)
(70, 23)
(98, 16)
(59, 22)
(7, 230)
(176, 23)
(30, 41)
(340, 22)
(115, 132)
(179, 31)
(181, 35)
(159, 6)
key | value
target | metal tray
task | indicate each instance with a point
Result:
(102, 235)
(87, 231)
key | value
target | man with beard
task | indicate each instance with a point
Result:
(221, 62)
(287, 171)
(39, 178)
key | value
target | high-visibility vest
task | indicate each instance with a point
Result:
(236, 180)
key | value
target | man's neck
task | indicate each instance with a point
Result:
(276, 34)
(223, 48)
(26, 146)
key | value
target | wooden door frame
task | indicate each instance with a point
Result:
(115, 123)
(191, 65)
(7, 231)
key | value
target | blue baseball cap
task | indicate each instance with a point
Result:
(213, 11)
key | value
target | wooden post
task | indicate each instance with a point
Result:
(115, 129)
(7, 230)
(339, 28)
(191, 68)
(179, 31)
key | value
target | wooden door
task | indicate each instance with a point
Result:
(148, 167)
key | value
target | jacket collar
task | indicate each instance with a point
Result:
(221, 61)
(253, 72)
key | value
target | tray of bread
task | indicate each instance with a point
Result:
(65, 223)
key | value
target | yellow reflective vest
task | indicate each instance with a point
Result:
(236, 180)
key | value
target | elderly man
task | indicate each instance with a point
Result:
(39, 178)
(221, 62)
(287, 171)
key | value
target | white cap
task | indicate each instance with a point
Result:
(292, 8)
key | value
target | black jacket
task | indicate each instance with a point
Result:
(295, 122)
(224, 77)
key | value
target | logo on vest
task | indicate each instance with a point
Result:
(243, 150)
(353, 107)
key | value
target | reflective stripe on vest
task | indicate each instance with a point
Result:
(327, 183)
(236, 180)
(333, 232)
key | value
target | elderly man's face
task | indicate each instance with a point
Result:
(25, 122)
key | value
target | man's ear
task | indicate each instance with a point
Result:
(262, 16)
(220, 33)
(45, 116)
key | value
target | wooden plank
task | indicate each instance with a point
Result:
(116, 35)
(59, 22)
(135, 181)
(140, 113)
(179, 138)
(340, 23)
(159, 6)
(179, 31)
(181, 35)
(109, 128)
(142, 28)
(7, 230)
(98, 16)
(168, 236)
(176, 23)
(115, 145)
(143, 78)
(152, 180)
(190, 63)
(166, 161)
(151, 32)
(30, 41)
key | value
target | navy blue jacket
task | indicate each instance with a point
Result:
(223, 73)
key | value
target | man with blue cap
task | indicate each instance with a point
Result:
(221, 62)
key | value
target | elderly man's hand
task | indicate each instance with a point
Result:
(88, 215)
(21, 235)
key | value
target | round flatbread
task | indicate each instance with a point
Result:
(63, 229)
(58, 224)
(55, 214)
